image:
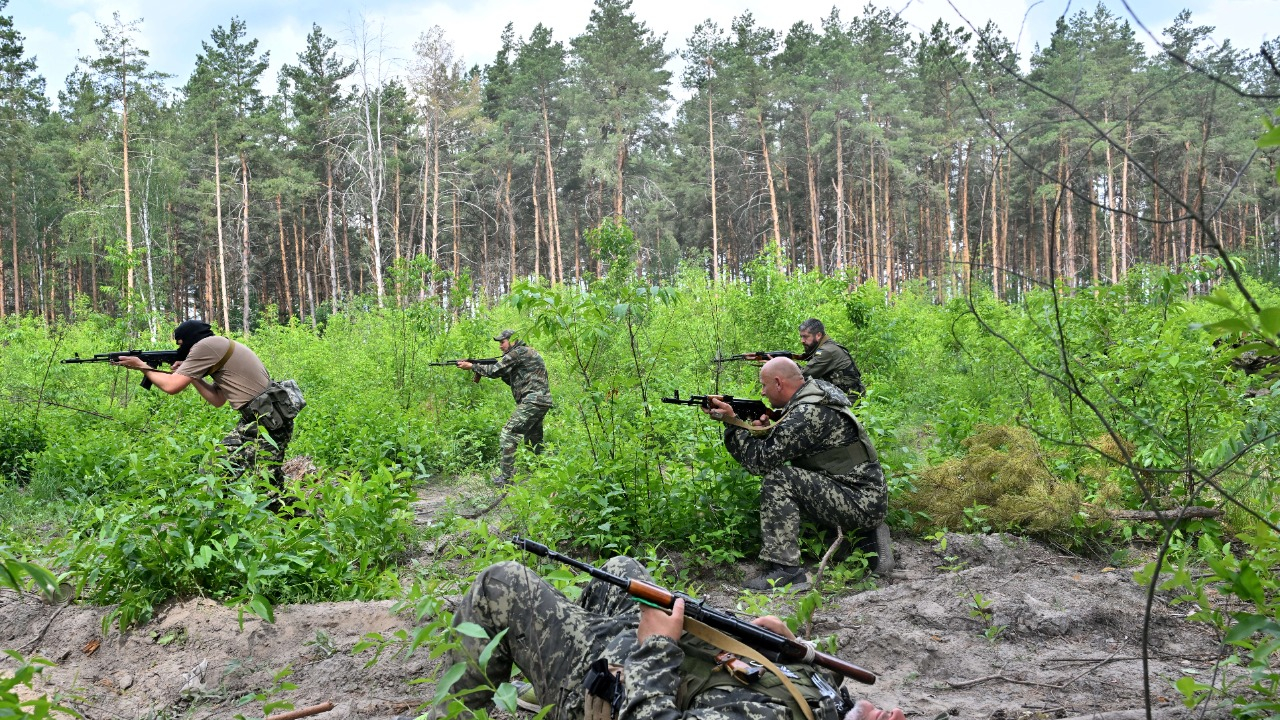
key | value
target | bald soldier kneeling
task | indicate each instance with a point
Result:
(815, 463)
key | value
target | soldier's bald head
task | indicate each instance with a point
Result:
(780, 378)
(784, 369)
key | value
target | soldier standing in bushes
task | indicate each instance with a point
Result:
(239, 378)
(816, 462)
(828, 360)
(522, 368)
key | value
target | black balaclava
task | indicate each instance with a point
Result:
(190, 333)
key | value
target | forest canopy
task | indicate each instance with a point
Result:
(857, 145)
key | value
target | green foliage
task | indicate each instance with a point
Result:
(11, 706)
(218, 537)
(20, 443)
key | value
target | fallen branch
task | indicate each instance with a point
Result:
(1195, 512)
(1139, 714)
(1060, 686)
(31, 644)
(303, 712)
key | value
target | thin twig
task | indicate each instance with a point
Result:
(40, 635)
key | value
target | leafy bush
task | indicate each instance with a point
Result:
(20, 443)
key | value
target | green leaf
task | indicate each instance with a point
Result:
(1220, 298)
(1227, 326)
(472, 630)
(451, 676)
(483, 659)
(1246, 625)
(506, 697)
(44, 579)
(262, 608)
(1270, 139)
(1270, 318)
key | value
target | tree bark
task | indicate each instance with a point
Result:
(244, 244)
(224, 298)
(284, 256)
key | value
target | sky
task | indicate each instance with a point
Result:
(56, 32)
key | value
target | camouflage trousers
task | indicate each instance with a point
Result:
(788, 495)
(524, 424)
(246, 447)
(551, 640)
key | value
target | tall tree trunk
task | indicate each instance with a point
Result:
(224, 298)
(841, 238)
(244, 243)
(553, 203)
(1093, 222)
(768, 174)
(1111, 207)
(395, 220)
(715, 221)
(811, 175)
(284, 257)
(964, 218)
(537, 223)
(1069, 223)
(511, 228)
(330, 237)
(1124, 199)
(995, 228)
(297, 267)
(457, 233)
(13, 238)
(620, 164)
(128, 210)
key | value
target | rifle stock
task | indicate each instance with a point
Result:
(768, 643)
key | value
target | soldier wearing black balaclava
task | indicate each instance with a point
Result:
(239, 378)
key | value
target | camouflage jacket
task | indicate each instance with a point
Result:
(833, 363)
(816, 420)
(655, 688)
(522, 368)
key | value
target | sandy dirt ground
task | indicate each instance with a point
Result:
(1070, 644)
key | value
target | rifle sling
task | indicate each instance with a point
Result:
(218, 365)
(738, 422)
(711, 635)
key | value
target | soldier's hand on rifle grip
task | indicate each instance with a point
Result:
(656, 621)
(465, 365)
(717, 408)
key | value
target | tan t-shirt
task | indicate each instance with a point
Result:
(243, 378)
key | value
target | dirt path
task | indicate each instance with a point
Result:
(1070, 644)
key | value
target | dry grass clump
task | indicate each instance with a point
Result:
(1005, 471)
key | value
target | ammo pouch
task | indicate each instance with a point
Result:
(281, 401)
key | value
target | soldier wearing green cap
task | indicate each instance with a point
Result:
(522, 368)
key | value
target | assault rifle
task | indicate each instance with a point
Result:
(475, 377)
(745, 409)
(778, 648)
(758, 356)
(153, 358)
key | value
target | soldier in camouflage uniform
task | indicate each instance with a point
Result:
(522, 368)
(829, 360)
(239, 378)
(553, 641)
(815, 463)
